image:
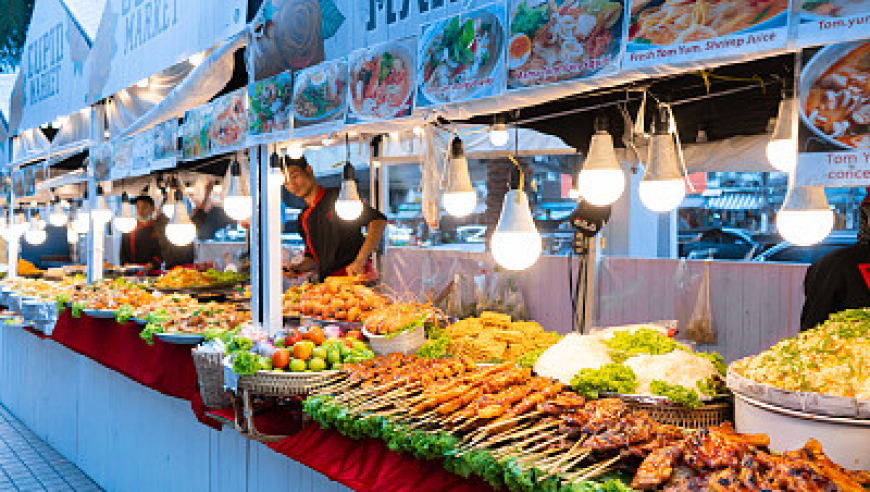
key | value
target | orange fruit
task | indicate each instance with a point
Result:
(315, 334)
(302, 351)
(281, 358)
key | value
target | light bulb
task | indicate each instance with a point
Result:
(35, 236)
(125, 222)
(782, 154)
(805, 217)
(459, 198)
(327, 141)
(782, 147)
(418, 130)
(296, 151)
(101, 214)
(72, 236)
(459, 204)
(82, 222)
(56, 216)
(662, 196)
(574, 193)
(498, 135)
(601, 181)
(144, 83)
(180, 231)
(662, 188)
(238, 207)
(348, 206)
(168, 209)
(196, 58)
(516, 243)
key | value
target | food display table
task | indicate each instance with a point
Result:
(120, 410)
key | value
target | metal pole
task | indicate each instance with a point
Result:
(256, 234)
(271, 256)
(96, 233)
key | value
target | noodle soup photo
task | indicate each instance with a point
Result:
(555, 40)
(381, 82)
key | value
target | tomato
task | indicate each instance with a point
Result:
(281, 358)
(292, 337)
(315, 334)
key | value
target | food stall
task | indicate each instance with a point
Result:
(402, 394)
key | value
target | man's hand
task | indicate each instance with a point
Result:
(358, 267)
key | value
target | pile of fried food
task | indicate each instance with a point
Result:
(337, 298)
(400, 317)
(111, 295)
(182, 278)
(494, 337)
(539, 423)
(27, 268)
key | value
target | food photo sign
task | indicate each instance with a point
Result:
(101, 161)
(229, 122)
(320, 98)
(165, 146)
(678, 31)
(834, 112)
(381, 81)
(825, 21)
(270, 109)
(461, 57)
(557, 40)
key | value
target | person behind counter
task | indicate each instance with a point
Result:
(142, 245)
(334, 247)
(839, 280)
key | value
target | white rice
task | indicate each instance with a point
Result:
(677, 367)
(574, 352)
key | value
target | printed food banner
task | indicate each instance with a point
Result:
(320, 98)
(101, 161)
(834, 112)
(122, 157)
(195, 141)
(675, 31)
(462, 57)
(269, 109)
(165, 146)
(381, 81)
(557, 40)
(229, 123)
(19, 186)
(826, 21)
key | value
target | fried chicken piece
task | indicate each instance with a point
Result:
(632, 429)
(658, 467)
(812, 453)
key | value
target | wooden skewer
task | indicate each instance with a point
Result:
(505, 437)
(497, 424)
(539, 446)
(592, 471)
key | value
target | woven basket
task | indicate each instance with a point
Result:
(268, 383)
(210, 374)
(408, 342)
(709, 415)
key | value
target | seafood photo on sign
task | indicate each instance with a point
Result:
(461, 57)
(835, 98)
(833, 8)
(380, 81)
(554, 40)
(230, 124)
(320, 94)
(668, 22)
(269, 104)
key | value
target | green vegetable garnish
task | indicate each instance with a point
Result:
(528, 20)
(624, 344)
(610, 378)
(148, 332)
(676, 393)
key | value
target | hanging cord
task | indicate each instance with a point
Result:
(679, 146)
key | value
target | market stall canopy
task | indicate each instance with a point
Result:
(136, 40)
(51, 78)
(28, 146)
(174, 91)
(7, 81)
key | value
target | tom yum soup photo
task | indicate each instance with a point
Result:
(835, 93)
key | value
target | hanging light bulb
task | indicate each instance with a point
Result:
(418, 130)
(805, 217)
(126, 221)
(601, 181)
(56, 216)
(516, 243)
(180, 231)
(82, 222)
(574, 192)
(168, 205)
(662, 188)
(19, 225)
(782, 147)
(348, 206)
(35, 234)
(72, 236)
(196, 58)
(237, 204)
(101, 214)
(144, 83)
(498, 135)
(459, 199)
(296, 151)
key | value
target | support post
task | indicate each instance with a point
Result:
(258, 289)
(271, 256)
(97, 231)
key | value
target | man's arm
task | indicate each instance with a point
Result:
(373, 239)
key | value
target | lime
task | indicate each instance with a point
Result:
(317, 364)
(359, 345)
(318, 353)
(297, 365)
(333, 356)
(344, 349)
(336, 366)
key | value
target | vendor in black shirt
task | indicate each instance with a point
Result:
(334, 247)
(839, 280)
(142, 245)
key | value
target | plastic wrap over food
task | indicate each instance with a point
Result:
(814, 403)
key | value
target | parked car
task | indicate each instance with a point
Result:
(788, 252)
(471, 234)
(721, 243)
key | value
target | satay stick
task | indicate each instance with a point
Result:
(592, 471)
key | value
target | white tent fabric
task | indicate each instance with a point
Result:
(86, 14)
(174, 92)
(7, 82)
(28, 146)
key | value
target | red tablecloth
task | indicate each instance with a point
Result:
(364, 465)
(163, 367)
